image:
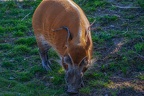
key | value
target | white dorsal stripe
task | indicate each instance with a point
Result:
(76, 8)
(72, 4)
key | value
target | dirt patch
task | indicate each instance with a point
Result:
(127, 12)
(127, 16)
(128, 83)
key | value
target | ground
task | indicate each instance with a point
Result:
(118, 38)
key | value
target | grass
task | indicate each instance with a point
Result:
(5, 46)
(92, 5)
(18, 34)
(139, 47)
(141, 3)
(26, 41)
(107, 19)
(98, 84)
(141, 77)
(7, 65)
(118, 47)
(85, 90)
(21, 49)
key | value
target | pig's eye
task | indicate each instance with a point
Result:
(67, 60)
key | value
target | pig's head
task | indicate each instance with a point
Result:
(76, 62)
(74, 74)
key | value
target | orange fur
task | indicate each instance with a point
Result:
(53, 14)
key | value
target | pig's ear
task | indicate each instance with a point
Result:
(69, 36)
(83, 63)
(68, 60)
